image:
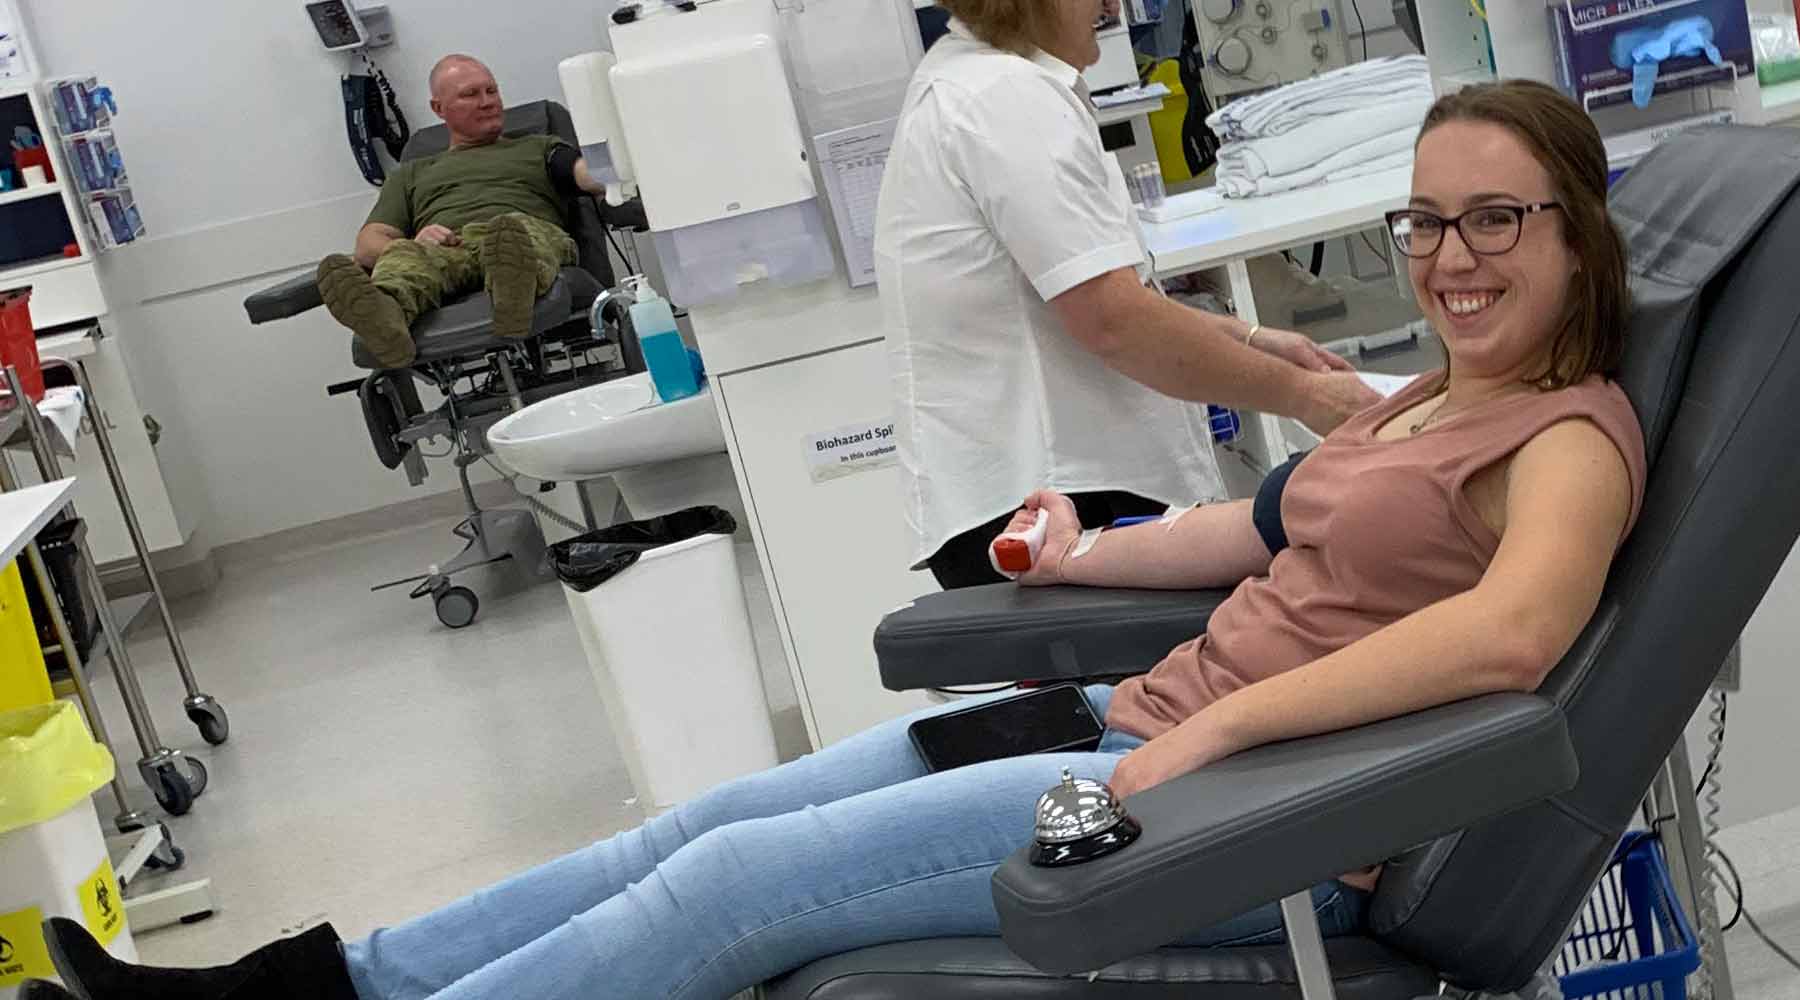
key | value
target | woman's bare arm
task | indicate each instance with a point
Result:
(1214, 545)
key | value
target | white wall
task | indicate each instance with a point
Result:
(1762, 738)
(232, 126)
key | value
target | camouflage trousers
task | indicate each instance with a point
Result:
(420, 276)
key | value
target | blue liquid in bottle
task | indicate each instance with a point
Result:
(664, 353)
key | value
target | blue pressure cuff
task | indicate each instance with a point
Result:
(1265, 510)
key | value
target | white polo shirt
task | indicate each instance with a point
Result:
(998, 197)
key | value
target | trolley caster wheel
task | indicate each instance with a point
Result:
(214, 725)
(172, 790)
(197, 776)
(167, 858)
(456, 606)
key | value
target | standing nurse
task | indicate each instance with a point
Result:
(1025, 348)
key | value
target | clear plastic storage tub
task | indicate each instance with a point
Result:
(785, 246)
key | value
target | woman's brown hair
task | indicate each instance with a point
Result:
(1564, 140)
(1013, 25)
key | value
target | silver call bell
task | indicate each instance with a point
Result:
(1080, 820)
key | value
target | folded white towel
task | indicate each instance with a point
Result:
(1319, 139)
(1353, 88)
(1279, 185)
(1380, 153)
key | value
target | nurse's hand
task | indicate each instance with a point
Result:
(1059, 535)
(1298, 349)
(1335, 398)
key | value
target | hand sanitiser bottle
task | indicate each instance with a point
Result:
(664, 353)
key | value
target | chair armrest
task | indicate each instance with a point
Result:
(1274, 820)
(1005, 632)
(290, 298)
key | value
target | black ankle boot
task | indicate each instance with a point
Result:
(308, 966)
(37, 989)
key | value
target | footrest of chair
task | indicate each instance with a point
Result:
(290, 298)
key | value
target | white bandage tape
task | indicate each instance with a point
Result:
(1084, 543)
(1174, 514)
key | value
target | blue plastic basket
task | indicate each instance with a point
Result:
(1632, 941)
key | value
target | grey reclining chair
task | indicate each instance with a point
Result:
(480, 376)
(1494, 815)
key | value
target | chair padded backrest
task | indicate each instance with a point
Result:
(1712, 365)
(580, 216)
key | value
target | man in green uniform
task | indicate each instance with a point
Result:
(486, 211)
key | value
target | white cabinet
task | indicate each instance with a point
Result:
(834, 551)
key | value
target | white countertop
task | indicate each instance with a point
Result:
(1249, 227)
(23, 513)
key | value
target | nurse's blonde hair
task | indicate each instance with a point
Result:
(1013, 25)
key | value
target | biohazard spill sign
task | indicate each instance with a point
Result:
(22, 952)
(102, 904)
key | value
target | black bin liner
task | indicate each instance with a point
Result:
(58, 542)
(589, 560)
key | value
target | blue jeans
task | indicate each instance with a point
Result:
(855, 845)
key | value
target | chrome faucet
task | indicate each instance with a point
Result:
(596, 312)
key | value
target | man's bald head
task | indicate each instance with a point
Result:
(465, 95)
(452, 62)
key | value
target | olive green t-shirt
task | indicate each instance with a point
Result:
(474, 184)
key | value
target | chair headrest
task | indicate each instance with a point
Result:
(1686, 213)
(535, 118)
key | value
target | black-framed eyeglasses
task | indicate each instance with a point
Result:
(1490, 230)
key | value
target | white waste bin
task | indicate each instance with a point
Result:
(53, 860)
(670, 645)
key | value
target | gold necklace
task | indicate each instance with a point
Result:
(1425, 421)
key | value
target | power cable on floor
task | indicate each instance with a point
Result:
(1786, 956)
(1736, 891)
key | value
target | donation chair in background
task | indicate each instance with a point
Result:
(578, 338)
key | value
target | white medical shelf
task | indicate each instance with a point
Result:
(26, 194)
(1781, 103)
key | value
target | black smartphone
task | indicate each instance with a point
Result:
(1044, 720)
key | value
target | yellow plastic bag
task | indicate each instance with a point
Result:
(48, 762)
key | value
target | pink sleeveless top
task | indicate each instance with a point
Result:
(1376, 531)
